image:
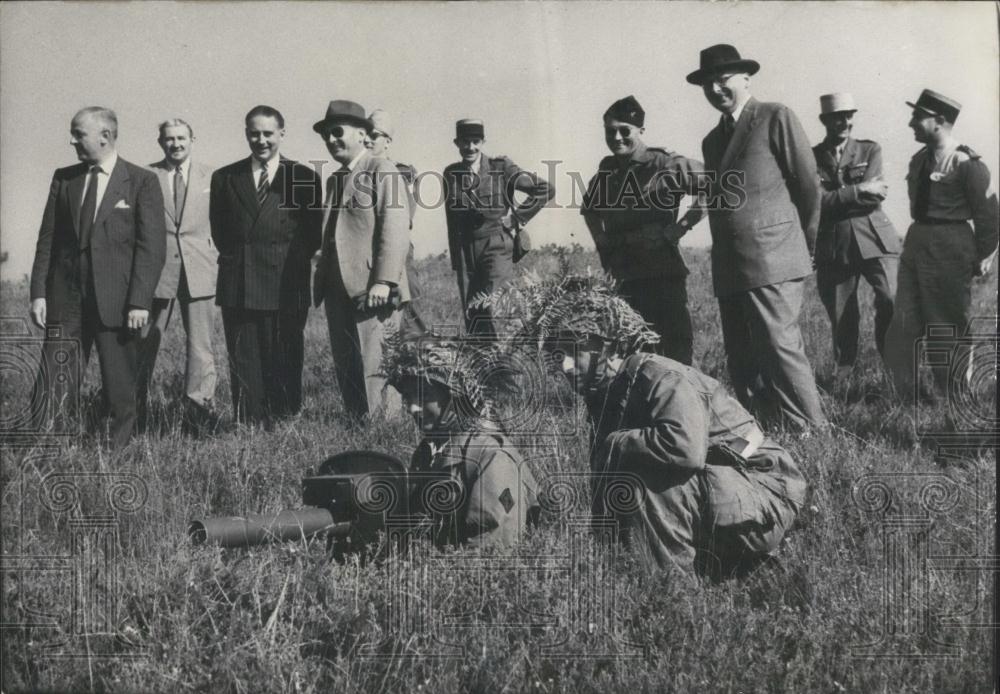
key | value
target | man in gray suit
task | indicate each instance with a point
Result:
(764, 213)
(189, 274)
(361, 274)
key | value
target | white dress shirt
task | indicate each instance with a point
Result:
(255, 167)
(104, 169)
(185, 168)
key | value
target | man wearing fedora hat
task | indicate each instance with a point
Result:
(762, 242)
(265, 212)
(485, 223)
(379, 141)
(949, 185)
(856, 238)
(631, 209)
(361, 274)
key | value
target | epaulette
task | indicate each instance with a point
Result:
(662, 150)
(407, 171)
(861, 139)
(965, 149)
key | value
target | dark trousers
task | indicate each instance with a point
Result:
(265, 362)
(487, 264)
(662, 302)
(838, 290)
(767, 362)
(80, 322)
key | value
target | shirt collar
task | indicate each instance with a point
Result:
(272, 166)
(107, 165)
(739, 108)
(474, 166)
(354, 162)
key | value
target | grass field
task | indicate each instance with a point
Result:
(563, 615)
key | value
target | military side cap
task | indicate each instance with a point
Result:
(340, 112)
(718, 59)
(836, 103)
(937, 105)
(470, 127)
(626, 110)
(381, 121)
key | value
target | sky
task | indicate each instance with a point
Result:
(540, 74)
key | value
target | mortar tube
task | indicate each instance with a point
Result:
(257, 529)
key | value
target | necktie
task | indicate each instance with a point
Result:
(337, 183)
(728, 127)
(262, 184)
(922, 203)
(89, 208)
(180, 193)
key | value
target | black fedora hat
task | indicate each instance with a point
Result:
(341, 111)
(721, 58)
(937, 104)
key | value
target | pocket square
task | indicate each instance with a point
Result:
(122, 205)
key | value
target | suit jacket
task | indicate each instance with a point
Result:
(847, 215)
(371, 236)
(763, 226)
(265, 251)
(190, 244)
(127, 243)
(476, 204)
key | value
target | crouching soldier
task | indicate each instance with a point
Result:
(489, 496)
(711, 493)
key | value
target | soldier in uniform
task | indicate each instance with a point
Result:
(710, 492)
(494, 495)
(484, 222)
(379, 139)
(631, 211)
(856, 238)
(948, 185)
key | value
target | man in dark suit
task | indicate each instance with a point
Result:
(484, 220)
(362, 273)
(100, 251)
(764, 212)
(265, 215)
(855, 238)
(188, 278)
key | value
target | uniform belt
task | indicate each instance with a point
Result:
(936, 221)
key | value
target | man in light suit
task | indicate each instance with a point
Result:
(190, 271)
(855, 239)
(764, 213)
(265, 214)
(361, 274)
(100, 250)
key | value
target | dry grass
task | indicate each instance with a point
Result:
(286, 619)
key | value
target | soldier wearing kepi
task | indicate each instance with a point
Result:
(495, 494)
(713, 494)
(856, 238)
(948, 185)
(379, 140)
(485, 226)
(631, 210)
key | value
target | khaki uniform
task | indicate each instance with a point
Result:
(629, 209)
(482, 251)
(714, 492)
(496, 492)
(941, 254)
(855, 240)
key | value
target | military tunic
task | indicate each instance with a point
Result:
(629, 209)
(496, 494)
(715, 492)
(941, 254)
(482, 250)
(855, 240)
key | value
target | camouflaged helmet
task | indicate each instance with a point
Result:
(575, 307)
(449, 362)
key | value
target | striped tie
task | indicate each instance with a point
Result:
(262, 184)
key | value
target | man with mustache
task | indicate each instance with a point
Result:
(949, 185)
(99, 254)
(361, 275)
(265, 215)
(485, 223)
(631, 210)
(189, 274)
(856, 238)
(762, 241)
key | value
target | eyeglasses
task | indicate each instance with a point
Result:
(721, 79)
(624, 130)
(376, 134)
(335, 131)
